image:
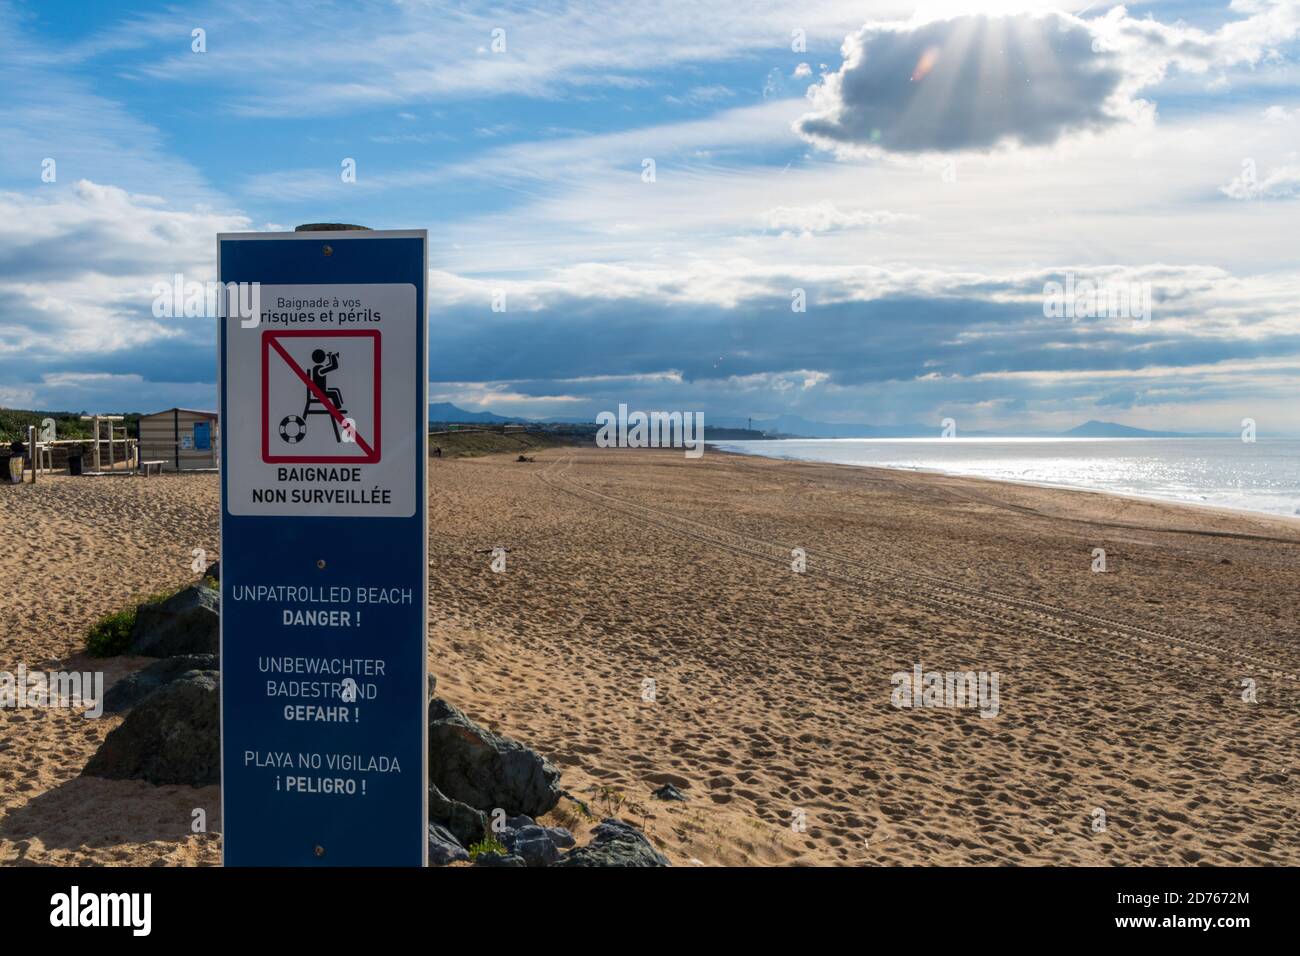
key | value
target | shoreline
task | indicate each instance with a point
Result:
(1229, 510)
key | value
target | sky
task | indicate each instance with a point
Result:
(852, 212)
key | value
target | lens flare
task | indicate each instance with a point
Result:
(925, 64)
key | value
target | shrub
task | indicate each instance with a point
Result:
(111, 635)
(489, 844)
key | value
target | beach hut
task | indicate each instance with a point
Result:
(184, 439)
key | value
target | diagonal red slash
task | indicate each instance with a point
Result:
(320, 396)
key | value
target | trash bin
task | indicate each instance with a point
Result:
(74, 463)
(16, 461)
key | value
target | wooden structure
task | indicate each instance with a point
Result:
(186, 439)
(116, 435)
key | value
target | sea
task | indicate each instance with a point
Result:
(1262, 476)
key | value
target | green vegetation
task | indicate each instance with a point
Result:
(110, 636)
(14, 422)
(613, 799)
(572, 813)
(489, 844)
(470, 444)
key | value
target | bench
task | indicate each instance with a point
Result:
(146, 466)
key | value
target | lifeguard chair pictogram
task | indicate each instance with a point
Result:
(324, 363)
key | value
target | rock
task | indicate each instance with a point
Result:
(133, 688)
(172, 736)
(522, 836)
(486, 770)
(669, 792)
(561, 837)
(185, 623)
(533, 844)
(615, 844)
(465, 823)
(443, 847)
(496, 859)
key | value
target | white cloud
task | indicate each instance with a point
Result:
(700, 95)
(77, 267)
(1131, 194)
(968, 83)
(476, 396)
(978, 82)
(48, 112)
(1190, 301)
(573, 160)
(898, 341)
(90, 381)
(1282, 182)
(1280, 114)
(827, 217)
(17, 397)
(354, 55)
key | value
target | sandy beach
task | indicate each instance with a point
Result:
(770, 708)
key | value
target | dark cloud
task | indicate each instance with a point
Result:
(969, 83)
(591, 348)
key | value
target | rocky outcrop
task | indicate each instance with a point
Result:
(561, 837)
(615, 843)
(134, 688)
(169, 737)
(521, 838)
(535, 844)
(498, 859)
(185, 623)
(465, 823)
(486, 770)
(443, 847)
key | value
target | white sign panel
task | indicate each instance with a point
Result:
(335, 431)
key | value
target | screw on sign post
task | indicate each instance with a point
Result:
(324, 698)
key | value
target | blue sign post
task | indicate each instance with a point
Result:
(324, 541)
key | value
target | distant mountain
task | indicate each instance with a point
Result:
(1096, 429)
(447, 412)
